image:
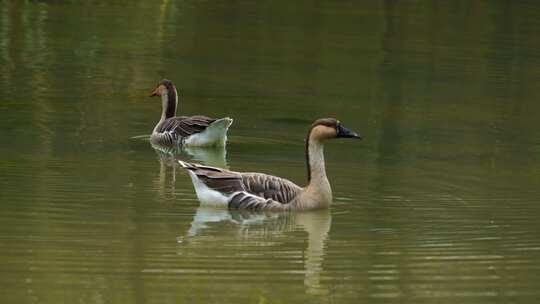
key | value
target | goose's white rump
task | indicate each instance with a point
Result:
(214, 135)
(206, 195)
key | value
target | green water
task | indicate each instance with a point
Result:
(438, 204)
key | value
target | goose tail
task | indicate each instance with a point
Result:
(186, 165)
(189, 167)
(214, 135)
(205, 193)
(223, 123)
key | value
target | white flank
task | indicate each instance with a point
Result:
(207, 196)
(214, 135)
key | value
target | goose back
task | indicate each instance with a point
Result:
(254, 191)
(185, 125)
(270, 187)
(175, 129)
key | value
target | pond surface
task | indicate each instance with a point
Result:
(439, 203)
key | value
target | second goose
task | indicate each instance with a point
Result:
(260, 191)
(185, 130)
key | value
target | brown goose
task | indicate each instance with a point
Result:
(185, 130)
(220, 187)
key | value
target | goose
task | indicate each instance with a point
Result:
(258, 191)
(196, 130)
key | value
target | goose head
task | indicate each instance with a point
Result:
(164, 87)
(328, 128)
(169, 97)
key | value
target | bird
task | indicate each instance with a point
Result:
(198, 130)
(258, 191)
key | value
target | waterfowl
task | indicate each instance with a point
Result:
(185, 130)
(258, 191)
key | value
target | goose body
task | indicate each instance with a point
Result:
(259, 191)
(196, 130)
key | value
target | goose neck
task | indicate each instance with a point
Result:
(169, 101)
(315, 160)
(318, 192)
(169, 104)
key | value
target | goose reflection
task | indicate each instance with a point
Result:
(167, 156)
(215, 156)
(249, 225)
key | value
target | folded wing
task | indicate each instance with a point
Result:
(185, 126)
(253, 191)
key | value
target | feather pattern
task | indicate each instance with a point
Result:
(255, 191)
(185, 130)
(270, 187)
(185, 126)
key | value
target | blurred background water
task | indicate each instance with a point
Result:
(438, 203)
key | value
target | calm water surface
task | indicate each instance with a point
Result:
(438, 204)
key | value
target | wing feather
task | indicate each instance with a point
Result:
(221, 180)
(185, 126)
(245, 200)
(254, 191)
(271, 187)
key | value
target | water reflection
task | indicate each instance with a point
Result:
(215, 156)
(168, 157)
(264, 229)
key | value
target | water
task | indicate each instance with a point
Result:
(438, 203)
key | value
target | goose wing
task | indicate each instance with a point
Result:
(254, 191)
(264, 192)
(185, 125)
(270, 187)
(221, 180)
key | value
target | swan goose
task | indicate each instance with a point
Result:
(258, 191)
(185, 130)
